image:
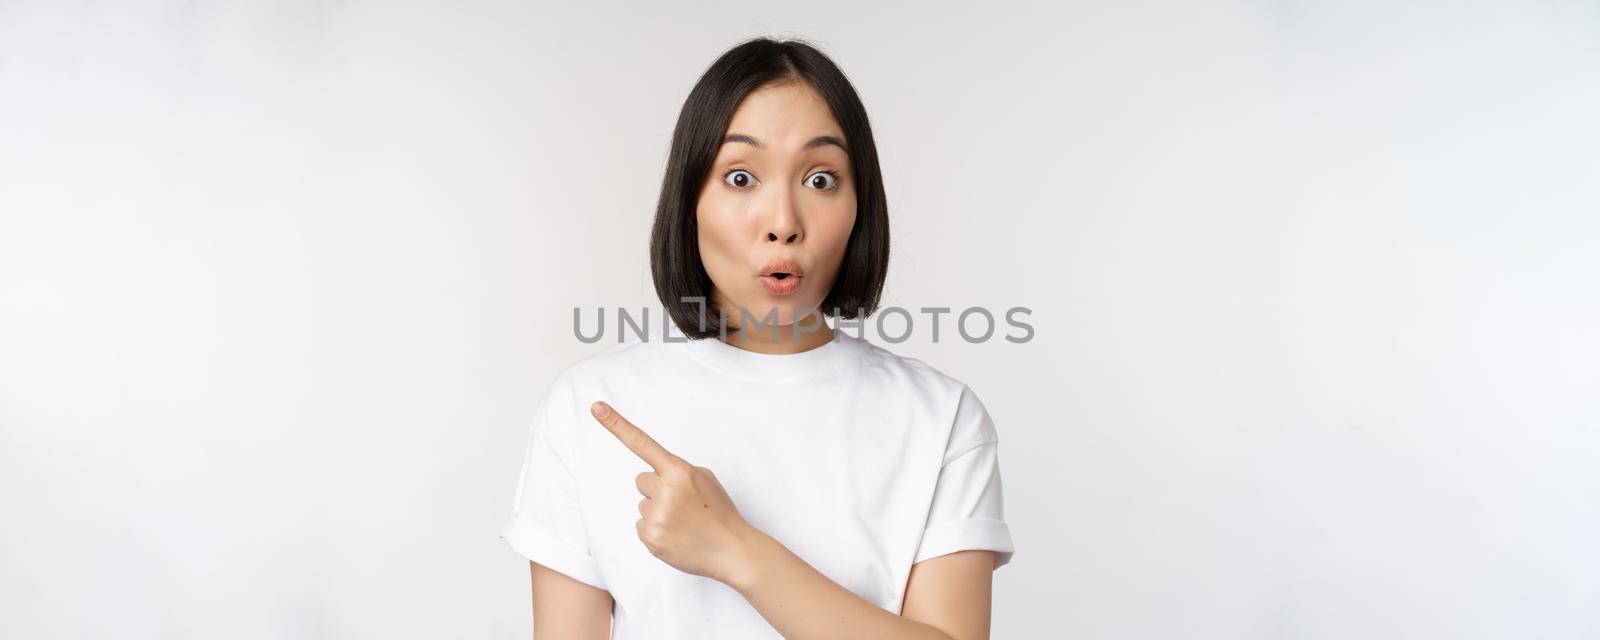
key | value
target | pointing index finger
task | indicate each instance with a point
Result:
(637, 441)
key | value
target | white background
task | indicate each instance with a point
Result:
(1314, 287)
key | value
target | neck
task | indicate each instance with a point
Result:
(783, 339)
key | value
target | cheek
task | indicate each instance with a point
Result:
(833, 230)
(717, 219)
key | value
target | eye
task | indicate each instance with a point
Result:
(738, 178)
(823, 180)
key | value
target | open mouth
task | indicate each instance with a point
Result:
(780, 283)
(781, 277)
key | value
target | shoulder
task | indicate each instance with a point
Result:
(881, 361)
(564, 403)
(959, 407)
(577, 383)
(611, 362)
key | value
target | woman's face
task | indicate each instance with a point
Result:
(778, 192)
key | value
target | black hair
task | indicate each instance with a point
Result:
(674, 247)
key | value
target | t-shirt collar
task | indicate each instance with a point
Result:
(830, 357)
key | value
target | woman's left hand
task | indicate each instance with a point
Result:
(688, 520)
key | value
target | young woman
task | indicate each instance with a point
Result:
(796, 481)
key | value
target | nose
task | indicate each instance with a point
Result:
(782, 222)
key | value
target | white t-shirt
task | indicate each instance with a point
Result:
(860, 461)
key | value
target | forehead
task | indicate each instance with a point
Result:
(785, 115)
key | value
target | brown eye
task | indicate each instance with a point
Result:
(739, 179)
(822, 180)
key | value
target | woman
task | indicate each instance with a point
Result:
(796, 481)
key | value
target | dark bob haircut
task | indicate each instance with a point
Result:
(681, 280)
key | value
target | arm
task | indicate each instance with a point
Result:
(947, 598)
(565, 608)
(954, 593)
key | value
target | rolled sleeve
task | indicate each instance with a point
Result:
(968, 510)
(533, 541)
(968, 507)
(546, 525)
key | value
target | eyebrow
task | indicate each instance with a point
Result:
(819, 141)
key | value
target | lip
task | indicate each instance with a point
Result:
(781, 266)
(789, 284)
(782, 287)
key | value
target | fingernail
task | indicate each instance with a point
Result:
(600, 409)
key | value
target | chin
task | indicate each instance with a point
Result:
(788, 311)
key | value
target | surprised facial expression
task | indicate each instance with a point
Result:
(776, 210)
